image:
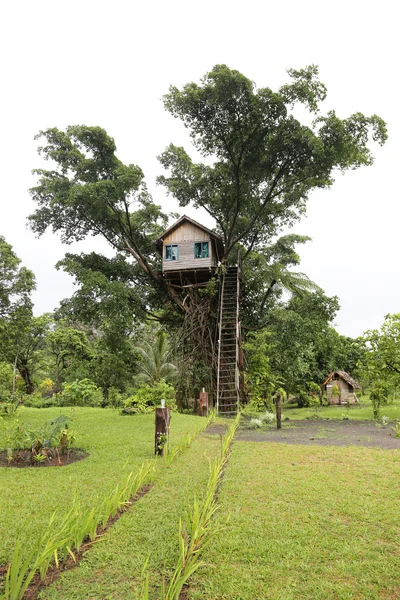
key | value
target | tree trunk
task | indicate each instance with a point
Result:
(26, 375)
(163, 417)
(278, 406)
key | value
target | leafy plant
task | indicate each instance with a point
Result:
(378, 395)
(147, 396)
(81, 392)
(255, 424)
(268, 417)
(396, 429)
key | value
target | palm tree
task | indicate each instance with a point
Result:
(291, 281)
(154, 362)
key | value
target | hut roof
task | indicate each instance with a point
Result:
(179, 222)
(344, 376)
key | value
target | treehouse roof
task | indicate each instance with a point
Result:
(180, 222)
(345, 376)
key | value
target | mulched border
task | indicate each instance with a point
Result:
(23, 459)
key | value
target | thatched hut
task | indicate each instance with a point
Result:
(346, 385)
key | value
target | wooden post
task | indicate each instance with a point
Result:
(163, 418)
(203, 403)
(278, 406)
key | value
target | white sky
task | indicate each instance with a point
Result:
(109, 63)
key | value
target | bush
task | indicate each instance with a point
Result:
(36, 400)
(9, 407)
(46, 387)
(268, 418)
(147, 396)
(310, 396)
(114, 398)
(82, 392)
(255, 424)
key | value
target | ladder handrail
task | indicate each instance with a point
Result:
(237, 328)
(221, 300)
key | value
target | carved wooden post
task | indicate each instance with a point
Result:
(163, 418)
(203, 403)
(278, 406)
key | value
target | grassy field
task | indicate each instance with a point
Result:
(305, 523)
(116, 445)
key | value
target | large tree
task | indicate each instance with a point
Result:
(259, 165)
(16, 320)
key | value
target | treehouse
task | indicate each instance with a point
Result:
(190, 256)
(190, 251)
(345, 388)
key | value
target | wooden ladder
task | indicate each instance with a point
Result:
(228, 394)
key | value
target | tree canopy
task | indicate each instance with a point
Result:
(260, 164)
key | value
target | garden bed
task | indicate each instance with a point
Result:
(23, 459)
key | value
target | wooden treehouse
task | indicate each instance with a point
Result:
(346, 386)
(191, 255)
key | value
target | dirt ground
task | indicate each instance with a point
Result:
(324, 433)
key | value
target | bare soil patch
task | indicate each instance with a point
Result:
(22, 459)
(325, 432)
(215, 430)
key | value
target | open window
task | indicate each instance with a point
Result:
(171, 252)
(201, 249)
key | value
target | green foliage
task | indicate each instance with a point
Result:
(39, 442)
(255, 424)
(259, 377)
(154, 359)
(66, 345)
(196, 530)
(396, 429)
(381, 360)
(148, 396)
(335, 392)
(378, 395)
(6, 380)
(78, 525)
(256, 156)
(81, 392)
(10, 407)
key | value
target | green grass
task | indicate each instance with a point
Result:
(306, 523)
(361, 411)
(112, 568)
(116, 446)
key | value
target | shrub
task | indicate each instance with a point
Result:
(46, 387)
(114, 398)
(147, 396)
(81, 392)
(255, 424)
(268, 418)
(378, 395)
(36, 400)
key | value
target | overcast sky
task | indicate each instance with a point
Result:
(109, 63)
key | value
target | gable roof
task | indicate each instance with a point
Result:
(182, 220)
(345, 376)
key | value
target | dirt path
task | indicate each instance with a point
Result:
(325, 433)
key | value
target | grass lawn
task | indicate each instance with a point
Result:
(306, 523)
(112, 569)
(116, 445)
